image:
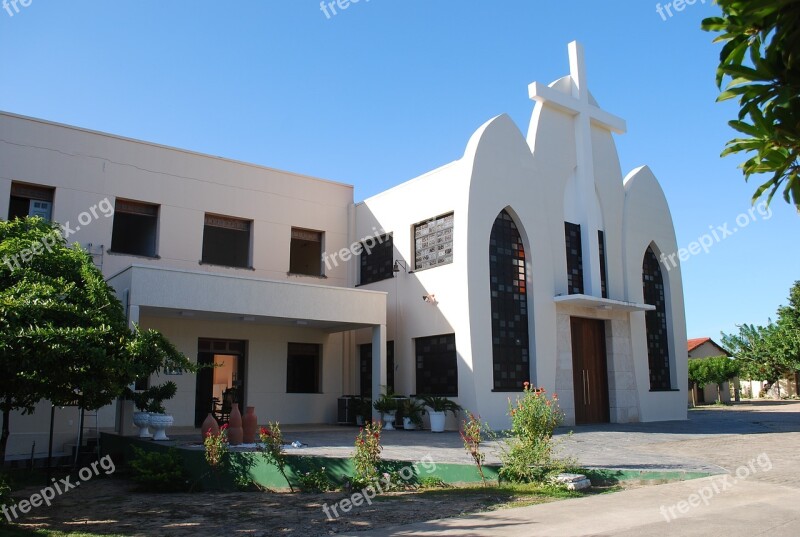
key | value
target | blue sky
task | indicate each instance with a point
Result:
(388, 89)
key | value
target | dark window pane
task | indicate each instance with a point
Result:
(365, 368)
(656, 322)
(303, 368)
(377, 261)
(437, 365)
(226, 241)
(305, 252)
(135, 229)
(509, 299)
(572, 233)
(601, 238)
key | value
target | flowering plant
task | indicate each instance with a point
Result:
(271, 448)
(472, 435)
(534, 418)
(216, 447)
(367, 456)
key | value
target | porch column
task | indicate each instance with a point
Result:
(378, 364)
(123, 417)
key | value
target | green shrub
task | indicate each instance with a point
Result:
(529, 455)
(431, 482)
(5, 495)
(315, 481)
(159, 471)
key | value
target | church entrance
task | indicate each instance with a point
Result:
(589, 370)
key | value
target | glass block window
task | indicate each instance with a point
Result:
(377, 260)
(601, 241)
(433, 242)
(656, 322)
(365, 367)
(572, 233)
(437, 365)
(509, 298)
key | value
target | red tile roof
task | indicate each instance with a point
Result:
(694, 343)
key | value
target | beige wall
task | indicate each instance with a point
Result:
(87, 167)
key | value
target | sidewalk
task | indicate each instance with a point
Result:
(751, 498)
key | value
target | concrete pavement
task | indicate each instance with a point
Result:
(757, 446)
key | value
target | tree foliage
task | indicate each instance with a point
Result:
(63, 334)
(713, 370)
(769, 352)
(761, 61)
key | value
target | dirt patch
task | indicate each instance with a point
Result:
(112, 506)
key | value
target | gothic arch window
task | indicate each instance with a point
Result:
(509, 297)
(656, 322)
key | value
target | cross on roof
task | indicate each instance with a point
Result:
(578, 103)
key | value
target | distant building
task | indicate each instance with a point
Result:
(705, 347)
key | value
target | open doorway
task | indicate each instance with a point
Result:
(220, 387)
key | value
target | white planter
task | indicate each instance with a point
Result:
(142, 421)
(437, 421)
(409, 425)
(388, 421)
(160, 422)
(359, 420)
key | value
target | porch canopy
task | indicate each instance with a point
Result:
(169, 292)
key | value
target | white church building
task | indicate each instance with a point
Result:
(531, 258)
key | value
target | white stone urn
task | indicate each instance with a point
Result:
(409, 425)
(437, 421)
(159, 423)
(388, 420)
(142, 421)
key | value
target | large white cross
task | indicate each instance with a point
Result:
(585, 116)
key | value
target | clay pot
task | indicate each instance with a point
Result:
(210, 424)
(249, 425)
(235, 432)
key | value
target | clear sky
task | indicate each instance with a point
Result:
(386, 90)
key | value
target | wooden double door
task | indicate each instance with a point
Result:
(589, 370)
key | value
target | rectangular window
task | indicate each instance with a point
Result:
(572, 233)
(377, 261)
(365, 352)
(30, 200)
(303, 368)
(305, 254)
(135, 228)
(437, 365)
(226, 241)
(433, 242)
(601, 240)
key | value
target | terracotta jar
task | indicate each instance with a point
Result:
(235, 432)
(210, 424)
(250, 424)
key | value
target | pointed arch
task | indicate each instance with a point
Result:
(508, 277)
(655, 293)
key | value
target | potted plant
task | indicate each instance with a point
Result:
(159, 419)
(363, 410)
(141, 418)
(412, 410)
(387, 406)
(439, 407)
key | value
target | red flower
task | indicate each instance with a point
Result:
(526, 383)
(223, 428)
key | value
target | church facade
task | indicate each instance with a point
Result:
(530, 259)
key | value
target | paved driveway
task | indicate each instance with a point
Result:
(755, 446)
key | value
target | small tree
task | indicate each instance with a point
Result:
(63, 333)
(714, 370)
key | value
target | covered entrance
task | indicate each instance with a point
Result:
(589, 370)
